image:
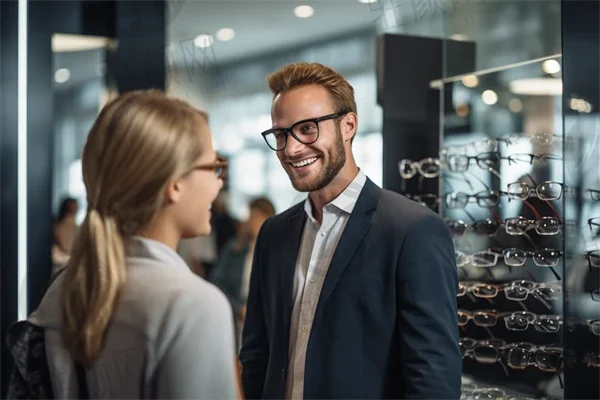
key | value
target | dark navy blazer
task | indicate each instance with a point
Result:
(386, 323)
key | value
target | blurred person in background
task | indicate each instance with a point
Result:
(126, 318)
(202, 254)
(353, 291)
(64, 230)
(232, 273)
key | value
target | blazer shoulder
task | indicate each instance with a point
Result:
(400, 210)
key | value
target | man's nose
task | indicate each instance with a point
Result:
(293, 146)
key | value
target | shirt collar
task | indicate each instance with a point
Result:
(346, 200)
(144, 248)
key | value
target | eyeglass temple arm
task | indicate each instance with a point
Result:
(532, 208)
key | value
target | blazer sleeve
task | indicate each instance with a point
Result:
(198, 349)
(427, 284)
(254, 354)
(222, 276)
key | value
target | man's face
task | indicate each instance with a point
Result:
(324, 158)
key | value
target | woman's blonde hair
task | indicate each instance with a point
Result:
(140, 141)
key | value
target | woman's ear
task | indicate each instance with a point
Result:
(174, 191)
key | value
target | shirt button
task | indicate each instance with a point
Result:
(323, 234)
(304, 328)
(312, 280)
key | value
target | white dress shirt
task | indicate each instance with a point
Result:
(316, 251)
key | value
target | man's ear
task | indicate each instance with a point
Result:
(174, 191)
(349, 125)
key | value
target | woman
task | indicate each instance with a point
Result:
(126, 314)
(232, 274)
(64, 229)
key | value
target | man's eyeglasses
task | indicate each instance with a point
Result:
(219, 166)
(305, 132)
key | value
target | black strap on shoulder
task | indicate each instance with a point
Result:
(81, 381)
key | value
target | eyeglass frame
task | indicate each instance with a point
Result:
(592, 191)
(219, 166)
(532, 319)
(531, 224)
(533, 254)
(417, 167)
(530, 190)
(290, 129)
(471, 315)
(534, 351)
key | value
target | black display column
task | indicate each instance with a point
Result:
(581, 80)
(25, 172)
(406, 66)
(8, 178)
(139, 62)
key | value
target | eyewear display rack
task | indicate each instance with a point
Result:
(522, 200)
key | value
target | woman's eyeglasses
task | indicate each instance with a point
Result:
(219, 166)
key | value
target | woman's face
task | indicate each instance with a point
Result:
(199, 189)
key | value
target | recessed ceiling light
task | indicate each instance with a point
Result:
(551, 66)
(515, 105)
(367, 1)
(203, 41)
(470, 81)
(304, 11)
(536, 86)
(225, 34)
(62, 75)
(489, 97)
(460, 37)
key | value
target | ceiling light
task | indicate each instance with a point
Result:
(304, 11)
(489, 97)
(62, 75)
(470, 81)
(225, 34)
(515, 105)
(537, 86)
(460, 37)
(65, 43)
(367, 1)
(551, 66)
(203, 41)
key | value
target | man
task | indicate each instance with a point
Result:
(352, 292)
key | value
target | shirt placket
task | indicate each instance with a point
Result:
(312, 288)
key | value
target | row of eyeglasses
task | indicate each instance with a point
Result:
(518, 355)
(492, 144)
(513, 226)
(518, 320)
(431, 167)
(472, 392)
(514, 257)
(518, 290)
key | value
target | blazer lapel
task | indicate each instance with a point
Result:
(355, 230)
(289, 256)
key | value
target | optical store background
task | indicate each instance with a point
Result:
(484, 110)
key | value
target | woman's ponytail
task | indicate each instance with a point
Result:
(94, 279)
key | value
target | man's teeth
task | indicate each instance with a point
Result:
(304, 162)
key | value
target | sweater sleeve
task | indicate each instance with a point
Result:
(199, 349)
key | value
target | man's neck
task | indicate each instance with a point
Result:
(324, 196)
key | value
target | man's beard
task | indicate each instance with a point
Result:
(333, 161)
